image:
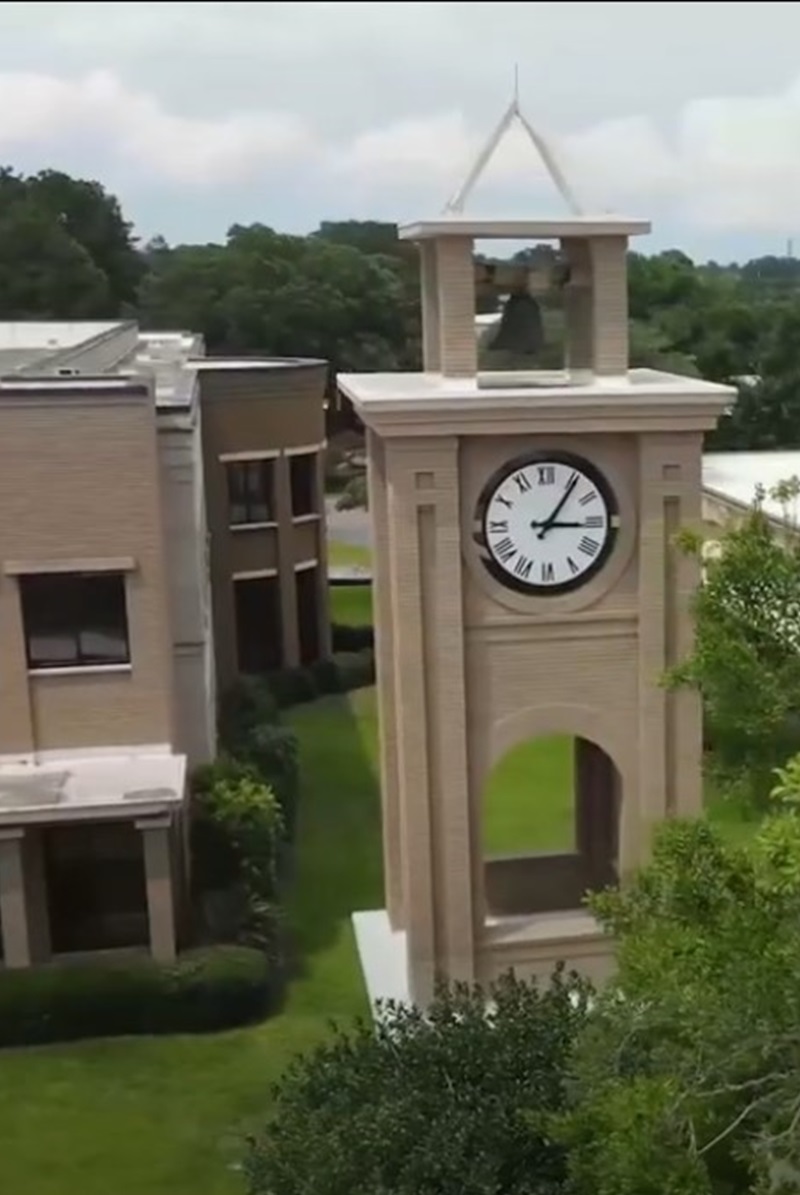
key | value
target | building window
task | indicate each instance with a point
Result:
(74, 620)
(250, 492)
(302, 474)
(307, 580)
(258, 624)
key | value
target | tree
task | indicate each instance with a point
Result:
(746, 656)
(457, 1102)
(686, 1077)
(67, 252)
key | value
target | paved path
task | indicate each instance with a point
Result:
(348, 526)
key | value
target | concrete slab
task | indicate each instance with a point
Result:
(382, 953)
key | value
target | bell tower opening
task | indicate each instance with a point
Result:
(551, 811)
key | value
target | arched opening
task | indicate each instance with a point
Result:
(550, 826)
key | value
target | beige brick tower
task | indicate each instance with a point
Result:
(494, 628)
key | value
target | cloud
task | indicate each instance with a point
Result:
(730, 163)
(133, 126)
(719, 163)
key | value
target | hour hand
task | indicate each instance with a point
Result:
(549, 524)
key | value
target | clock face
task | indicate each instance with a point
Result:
(547, 523)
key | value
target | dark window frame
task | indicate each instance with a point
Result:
(306, 484)
(70, 607)
(251, 491)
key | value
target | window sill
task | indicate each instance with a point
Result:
(252, 526)
(83, 670)
(310, 518)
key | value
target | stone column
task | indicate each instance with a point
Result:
(159, 881)
(455, 280)
(391, 828)
(428, 650)
(610, 301)
(323, 593)
(290, 631)
(13, 899)
(429, 287)
(36, 894)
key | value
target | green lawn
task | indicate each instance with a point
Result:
(351, 605)
(341, 555)
(165, 1116)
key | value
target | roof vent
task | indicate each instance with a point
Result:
(67, 371)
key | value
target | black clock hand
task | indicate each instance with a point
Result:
(548, 523)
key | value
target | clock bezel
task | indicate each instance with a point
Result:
(543, 456)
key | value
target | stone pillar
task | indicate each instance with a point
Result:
(17, 734)
(13, 899)
(391, 828)
(435, 820)
(429, 287)
(157, 846)
(36, 894)
(610, 305)
(323, 591)
(290, 631)
(670, 734)
(455, 280)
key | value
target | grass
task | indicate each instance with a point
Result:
(351, 605)
(165, 1116)
(342, 555)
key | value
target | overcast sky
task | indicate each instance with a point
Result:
(201, 114)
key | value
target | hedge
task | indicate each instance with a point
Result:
(345, 670)
(203, 990)
(352, 638)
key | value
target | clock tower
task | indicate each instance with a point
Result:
(526, 584)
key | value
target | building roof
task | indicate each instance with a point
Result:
(735, 476)
(124, 784)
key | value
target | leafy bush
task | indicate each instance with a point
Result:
(746, 656)
(354, 494)
(272, 750)
(326, 675)
(457, 1102)
(352, 638)
(292, 686)
(235, 834)
(356, 669)
(203, 990)
(247, 704)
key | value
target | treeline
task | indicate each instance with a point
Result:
(349, 292)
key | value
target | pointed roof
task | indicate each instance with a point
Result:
(513, 112)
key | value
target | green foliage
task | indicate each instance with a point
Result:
(203, 990)
(686, 1076)
(352, 638)
(746, 657)
(459, 1100)
(246, 705)
(354, 495)
(345, 670)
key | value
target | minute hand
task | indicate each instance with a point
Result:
(548, 523)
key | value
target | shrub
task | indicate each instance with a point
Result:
(203, 990)
(292, 686)
(248, 703)
(271, 749)
(356, 669)
(326, 675)
(456, 1103)
(354, 494)
(352, 638)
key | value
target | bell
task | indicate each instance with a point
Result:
(520, 331)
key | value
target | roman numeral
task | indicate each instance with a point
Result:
(505, 501)
(587, 498)
(588, 546)
(523, 567)
(505, 550)
(546, 474)
(498, 526)
(594, 521)
(573, 568)
(574, 478)
(522, 481)
(547, 573)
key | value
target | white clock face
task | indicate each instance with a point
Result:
(548, 524)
